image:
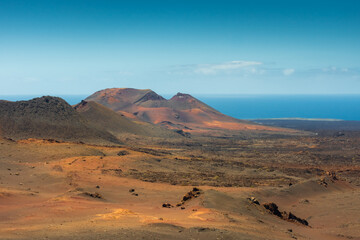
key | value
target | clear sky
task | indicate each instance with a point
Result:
(194, 46)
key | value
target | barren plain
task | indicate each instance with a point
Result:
(182, 188)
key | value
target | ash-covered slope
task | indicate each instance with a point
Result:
(47, 117)
(106, 119)
(119, 99)
(180, 112)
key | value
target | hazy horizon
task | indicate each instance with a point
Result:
(263, 106)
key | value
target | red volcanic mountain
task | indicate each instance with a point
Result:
(182, 111)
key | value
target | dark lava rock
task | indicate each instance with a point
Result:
(194, 193)
(297, 219)
(94, 195)
(253, 200)
(123, 153)
(273, 208)
(167, 205)
(182, 133)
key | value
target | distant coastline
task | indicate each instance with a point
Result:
(252, 107)
(303, 119)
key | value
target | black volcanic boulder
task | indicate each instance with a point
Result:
(273, 208)
(292, 217)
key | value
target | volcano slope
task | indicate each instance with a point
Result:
(181, 112)
(49, 118)
(182, 188)
(101, 117)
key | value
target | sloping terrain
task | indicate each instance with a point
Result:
(47, 117)
(182, 111)
(101, 117)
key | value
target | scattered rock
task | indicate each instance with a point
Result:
(167, 205)
(273, 208)
(131, 190)
(329, 177)
(305, 201)
(153, 152)
(50, 140)
(182, 133)
(323, 182)
(94, 195)
(203, 229)
(194, 193)
(97, 186)
(253, 200)
(297, 219)
(113, 171)
(332, 176)
(123, 153)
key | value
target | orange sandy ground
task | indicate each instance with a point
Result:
(46, 199)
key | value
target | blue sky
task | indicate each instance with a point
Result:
(199, 47)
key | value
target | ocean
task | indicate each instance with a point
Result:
(342, 107)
